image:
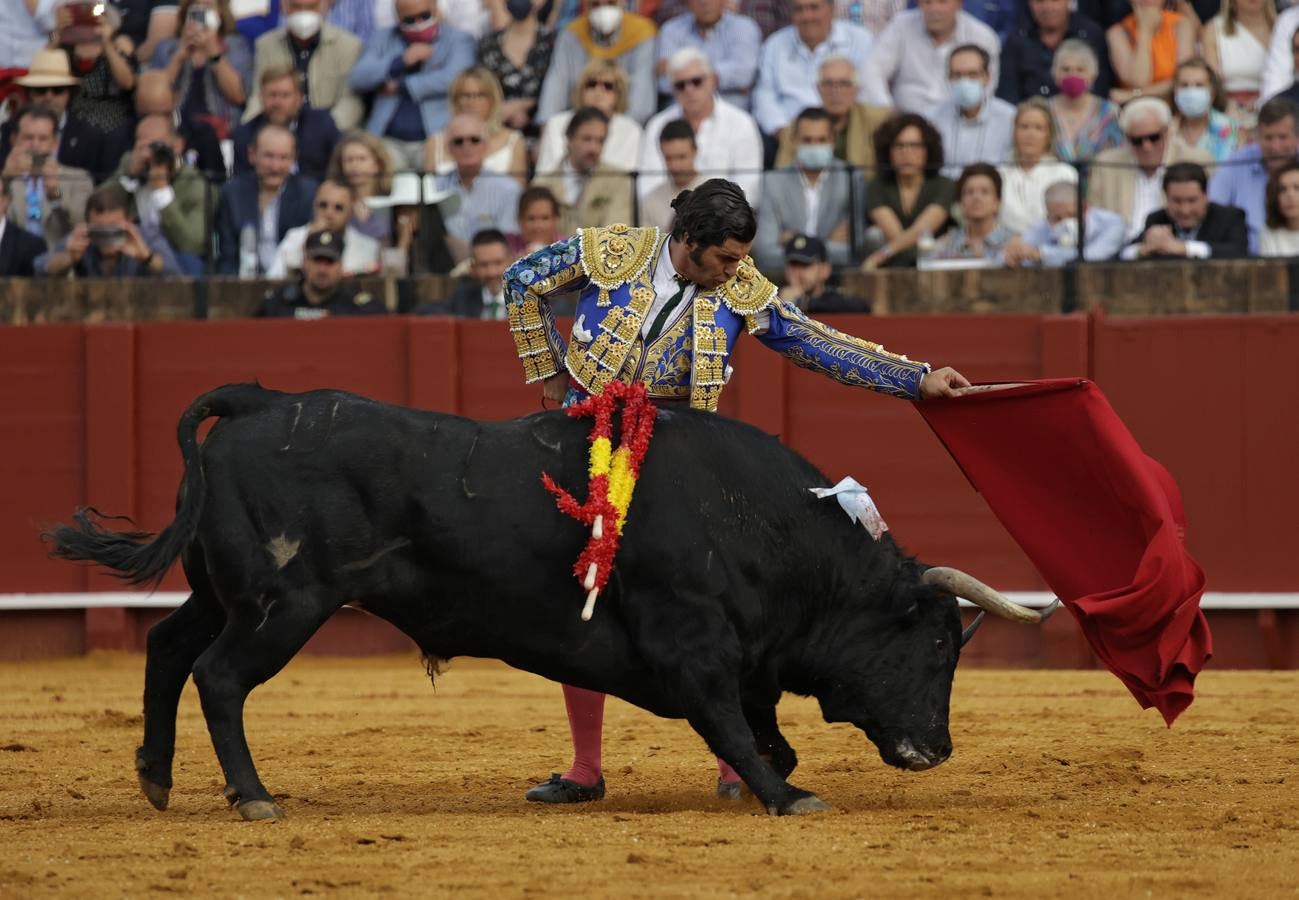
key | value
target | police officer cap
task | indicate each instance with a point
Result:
(324, 244)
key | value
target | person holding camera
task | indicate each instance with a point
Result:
(101, 115)
(45, 198)
(108, 244)
(209, 63)
(167, 194)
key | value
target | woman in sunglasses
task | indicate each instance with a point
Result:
(603, 85)
(476, 92)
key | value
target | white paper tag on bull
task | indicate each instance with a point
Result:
(857, 503)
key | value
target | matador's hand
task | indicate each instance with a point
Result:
(944, 382)
(555, 387)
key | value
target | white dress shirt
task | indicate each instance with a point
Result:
(1147, 196)
(729, 143)
(789, 70)
(1023, 192)
(360, 253)
(665, 288)
(907, 70)
(1278, 68)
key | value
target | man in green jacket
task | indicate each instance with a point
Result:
(167, 193)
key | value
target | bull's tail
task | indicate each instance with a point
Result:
(140, 557)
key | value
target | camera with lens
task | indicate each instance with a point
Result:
(161, 154)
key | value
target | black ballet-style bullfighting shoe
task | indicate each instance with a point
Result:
(560, 790)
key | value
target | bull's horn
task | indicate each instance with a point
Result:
(973, 627)
(954, 581)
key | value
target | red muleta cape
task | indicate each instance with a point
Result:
(1102, 522)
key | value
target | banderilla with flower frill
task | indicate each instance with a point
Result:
(613, 476)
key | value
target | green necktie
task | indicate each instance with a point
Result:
(666, 311)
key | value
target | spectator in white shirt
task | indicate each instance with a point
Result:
(1035, 168)
(331, 210)
(602, 84)
(729, 145)
(974, 123)
(678, 150)
(787, 73)
(908, 69)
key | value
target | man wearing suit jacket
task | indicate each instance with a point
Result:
(409, 69)
(45, 197)
(18, 247)
(1191, 227)
(815, 176)
(284, 104)
(323, 53)
(482, 294)
(590, 194)
(270, 200)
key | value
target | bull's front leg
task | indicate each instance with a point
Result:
(771, 743)
(722, 725)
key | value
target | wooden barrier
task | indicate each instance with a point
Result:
(88, 416)
(1128, 289)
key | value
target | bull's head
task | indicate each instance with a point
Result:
(894, 681)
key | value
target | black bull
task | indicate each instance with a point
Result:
(733, 583)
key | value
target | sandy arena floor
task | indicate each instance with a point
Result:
(1059, 786)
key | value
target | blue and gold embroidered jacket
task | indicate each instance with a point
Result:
(612, 268)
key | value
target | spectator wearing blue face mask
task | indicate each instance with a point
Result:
(812, 196)
(1199, 99)
(975, 125)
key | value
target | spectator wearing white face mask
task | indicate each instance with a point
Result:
(1053, 242)
(1196, 93)
(975, 125)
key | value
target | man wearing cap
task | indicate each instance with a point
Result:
(807, 270)
(45, 197)
(322, 290)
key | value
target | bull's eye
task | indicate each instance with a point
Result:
(940, 644)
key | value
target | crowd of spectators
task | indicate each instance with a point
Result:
(313, 140)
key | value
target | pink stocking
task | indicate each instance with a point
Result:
(586, 726)
(729, 775)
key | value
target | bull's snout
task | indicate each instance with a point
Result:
(907, 756)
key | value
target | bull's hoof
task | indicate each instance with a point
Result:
(802, 806)
(256, 810)
(156, 794)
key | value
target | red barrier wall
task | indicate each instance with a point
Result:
(88, 416)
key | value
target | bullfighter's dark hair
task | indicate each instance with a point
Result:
(891, 129)
(677, 130)
(581, 117)
(1274, 217)
(974, 170)
(1181, 172)
(712, 213)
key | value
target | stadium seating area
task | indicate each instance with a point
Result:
(932, 156)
